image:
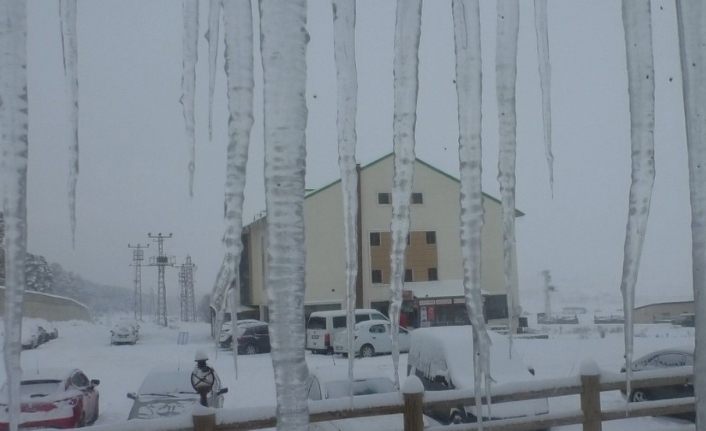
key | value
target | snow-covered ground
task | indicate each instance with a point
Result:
(122, 368)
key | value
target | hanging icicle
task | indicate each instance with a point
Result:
(466, 16)
(545, 77)
(69, 45)
(283, 48)
(190, 10)
(344, 51)
(637, 23)
(14, 121)
(406, 83)
(691, 16)
(214, 17)
(506, 73)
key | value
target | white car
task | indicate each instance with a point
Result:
(124, 333)
(370, 338)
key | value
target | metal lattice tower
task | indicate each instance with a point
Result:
(186, 283)
(138, 255)
(161, 261)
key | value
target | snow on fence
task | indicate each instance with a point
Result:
(588, 386)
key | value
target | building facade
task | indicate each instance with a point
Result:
(433, 256)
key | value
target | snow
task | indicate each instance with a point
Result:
(412, 385)
(589, 368)
(406, 82)
(637, 21)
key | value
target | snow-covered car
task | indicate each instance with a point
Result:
(332, 382)
(253, 336)
(166, 393)
(660, 359)
(32, 335)
(370, 337)
(54, 398)
(124, 333)
(387, 423)
(442, 358)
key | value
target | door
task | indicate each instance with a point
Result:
(316, 333)
(380, 338)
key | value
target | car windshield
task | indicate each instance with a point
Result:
(162, 408)
(377, 385)
(38, 388)
(167, 383)
(316, 323)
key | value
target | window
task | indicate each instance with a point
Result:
(417, 198)
(316, 323)
(376, 276)
(378, 316)
(361, 318)
(384, 198)
(431, 237)
(432, 275)
(408, 276)
(79, 380)
(374, 239)
(339, 322)
(377, 329)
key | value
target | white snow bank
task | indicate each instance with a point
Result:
(412, 385)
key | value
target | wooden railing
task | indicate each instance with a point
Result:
(588, 386)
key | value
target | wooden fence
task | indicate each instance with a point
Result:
(588, 386)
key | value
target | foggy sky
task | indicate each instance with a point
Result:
(134, 154)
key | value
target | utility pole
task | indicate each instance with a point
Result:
(161, 261)
(186, 284)
(138, 255)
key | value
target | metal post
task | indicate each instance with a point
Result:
(138, 256)
(161, 261)
(591, 396)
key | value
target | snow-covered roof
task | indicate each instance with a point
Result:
(65, 298)
(330, 313)
(437, 289)
(46, 374)
(448, 351)
(339, 371)
(167, 381)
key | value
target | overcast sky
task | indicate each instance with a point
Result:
(134, 151)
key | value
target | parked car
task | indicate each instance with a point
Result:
(660, 359)
(124, 333)
(32, 335)
(54, 398)
(323, 324)
(324, 386)
(441, 358)
(371, 337)
(253, 336)
(166, 393)
(386, 422)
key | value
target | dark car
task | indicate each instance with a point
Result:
(253, 337)
(660, 359)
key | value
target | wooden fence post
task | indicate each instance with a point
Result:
(591, 396)
(204, 419)
(413, 392)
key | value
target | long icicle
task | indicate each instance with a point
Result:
(214, 17)
(283, 48)
(545, 77)
(190, 37)
(344, 52)
(14, 121)
(237, 18)
(406, 84)
(506, 73)
(466, 15)
(637, 23)
(69, 45)
(691, 16)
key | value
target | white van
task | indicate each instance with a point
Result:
(322, 325)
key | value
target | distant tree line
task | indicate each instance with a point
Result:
(52, 278)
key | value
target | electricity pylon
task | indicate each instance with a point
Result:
(161, 261)
(186, 284)
(138, 255)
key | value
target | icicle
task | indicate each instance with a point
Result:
(283, 48)
(641, 88)
(214, 16)
(344, 51)
(406, 84)
(691, 16)
(188, 80)
(466, 17)
(14, 144)
(69, 44)
(234, 301)
(545, 76)
(506, 72)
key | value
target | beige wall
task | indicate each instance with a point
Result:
(49, 307)
(667, 310)
(325, 265)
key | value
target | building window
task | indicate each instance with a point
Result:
(384, 198)
(408, 275)
(431, 237)
(417, 198)
(409, 240)
(374, 239)
(432, 274)
(376, 276)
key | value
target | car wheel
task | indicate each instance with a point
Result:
(250, 349)
(82, 421)
(638, 396)
(367, 351)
